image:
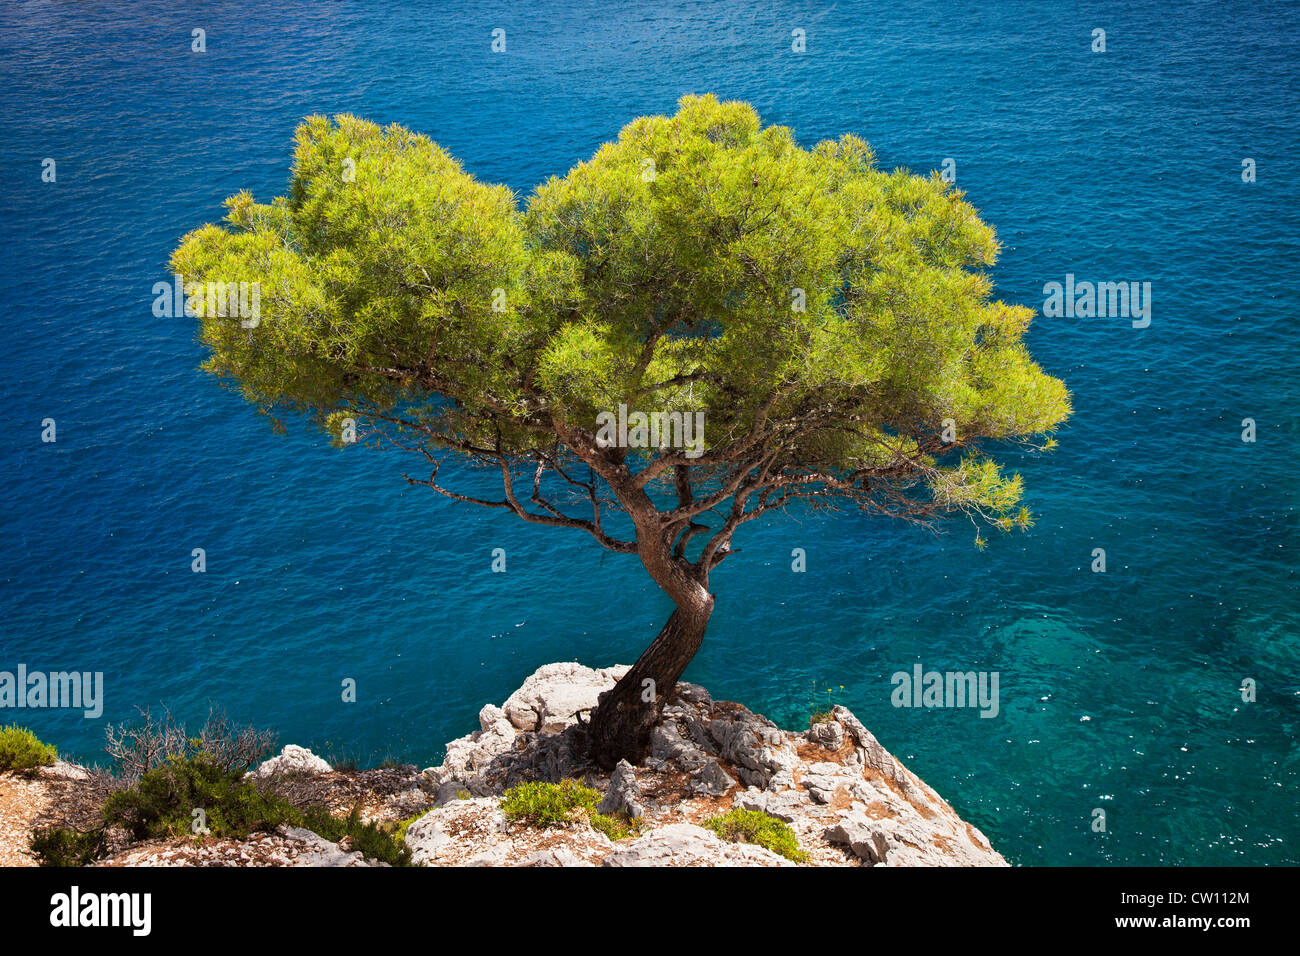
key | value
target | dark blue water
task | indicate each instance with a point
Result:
(1118, 690)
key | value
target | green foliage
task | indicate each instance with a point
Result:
(64, 846)
(162, 803)
(699, 262)
(365, 280)
(753, 826)
(20, 749)
(555, 804)
(375, 841)
(547, 804)
(611, 827)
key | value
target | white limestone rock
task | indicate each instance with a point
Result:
(315, 850)
(684, 844)
(552, 696)
(785, 806)
(61, 769)
(293, 759)
(460, 832)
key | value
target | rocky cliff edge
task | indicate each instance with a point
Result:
(848, 801)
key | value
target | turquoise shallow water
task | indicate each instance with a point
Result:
(1118, 690)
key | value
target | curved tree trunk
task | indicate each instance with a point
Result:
(624, 715)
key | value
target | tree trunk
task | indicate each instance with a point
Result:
(625, 714)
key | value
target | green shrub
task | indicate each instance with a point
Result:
(64, 846)
(553, 804)
(162, 804)
(373, 840)
(20, 749)
(612, 827)
(547, 804)
(753, 826)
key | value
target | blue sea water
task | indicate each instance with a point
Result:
(1118, 690)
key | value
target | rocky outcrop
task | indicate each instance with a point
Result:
(525, 738)
(848, 800)
(293, 760)
(553, 696)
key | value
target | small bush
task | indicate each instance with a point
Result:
(371, 839)
(553, 804)
(64, 846)
(547, 804)
(753, 826)
(162, 803)
(20, 749)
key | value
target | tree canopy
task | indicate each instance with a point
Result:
(833, 321)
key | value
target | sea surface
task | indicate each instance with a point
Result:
(1119, 691)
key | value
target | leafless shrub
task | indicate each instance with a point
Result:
(138, 748)
(234, 746)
